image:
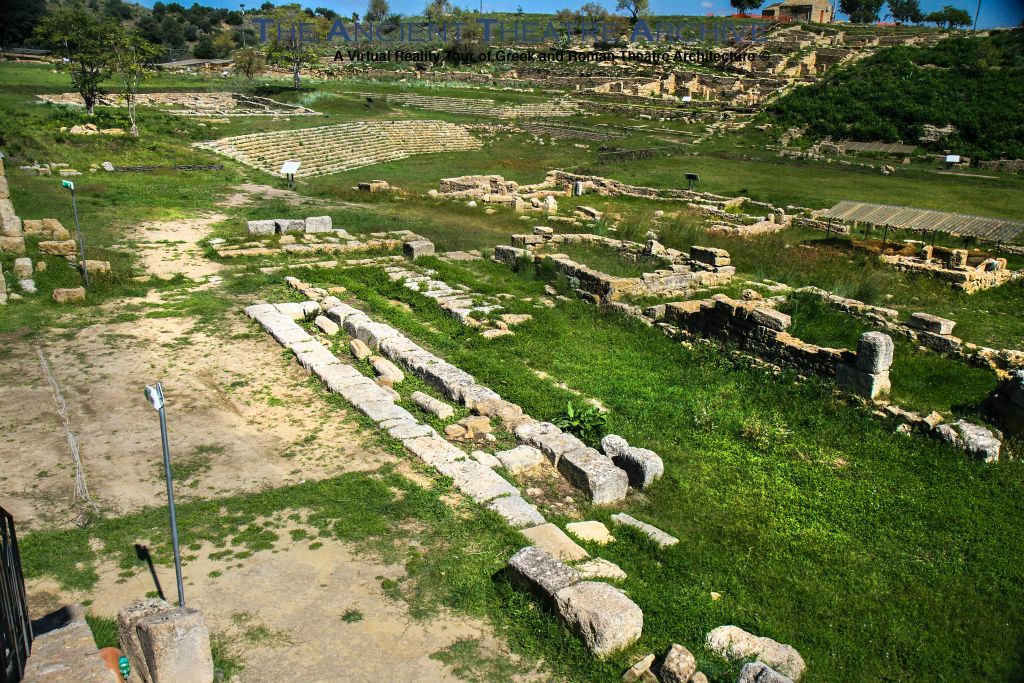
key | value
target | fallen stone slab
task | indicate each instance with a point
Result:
(314, 224)
(540, 573)
(381, 409)
(477, 481)
(260, 227)
(386, 370)
(326, 325)
(435, 407)
(433, 450)
(601, 615)
(553, 540)
(410, 430)
(652, 532)
(517, 511)
(520, 459)
(72, 295)
(359, 349)
(286, 225)
(977, 441)
(759, 672)
(600, 568)
(732, 642)
(592, 531)
(931, 323)
(486, 459)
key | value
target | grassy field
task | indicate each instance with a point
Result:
(879, 556)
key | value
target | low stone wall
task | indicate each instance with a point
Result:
(954, 269)
(1004, 165)
(703, 267)
(757, 329)
(336, 242)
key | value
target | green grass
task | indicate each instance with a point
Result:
(807, 519)
(610, 261)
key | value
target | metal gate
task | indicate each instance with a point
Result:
(15, 627)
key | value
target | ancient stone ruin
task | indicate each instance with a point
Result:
(956, 267)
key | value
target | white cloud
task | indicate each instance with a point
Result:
(707, 5)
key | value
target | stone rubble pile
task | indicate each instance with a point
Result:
(952, 266)
(331, 149)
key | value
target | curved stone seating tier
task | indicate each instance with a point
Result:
(330, 149)
(195, 103)
(486, 107)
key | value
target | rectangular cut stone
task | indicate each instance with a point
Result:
(516, 511)
(261, 227)
(770, 318)
(520, 459)
(540, 573)
(409, 430)
(285, 225)
(429, 404)
(433, 450)
(318, 224)
(127, 618)
(380, 410)
(176, 645)
(601, 615)
(418, 248)
(336, 376)
(931, 323)
(589, 471)
(553, 540)
(480, 482)
(862, 383)
(652, 532)
(874, 352)
(338, 313)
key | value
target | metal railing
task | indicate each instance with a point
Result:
(15, 626)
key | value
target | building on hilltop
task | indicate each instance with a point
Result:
(816, 11)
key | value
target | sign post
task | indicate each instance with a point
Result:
(289, 169)
(156, 399)
(78, 229)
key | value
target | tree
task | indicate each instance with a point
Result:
(861, 11)
(204, 49)
(224, 43)
(593, 12)
(377, 10)
(293, 41)
(86, 40)
(437, 10)
(636, 8)
(744, 6)
(906, 11)
(949, 16)
(119, 10)
(20, 19)
(250, 62)
(133, 60)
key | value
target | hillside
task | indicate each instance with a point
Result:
(974, 84)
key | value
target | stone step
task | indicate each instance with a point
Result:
(64, 650)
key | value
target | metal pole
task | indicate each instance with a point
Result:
(170, 494)
(976, 13)
(81, 242)
(885, 237)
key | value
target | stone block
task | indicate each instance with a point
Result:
(520, 459)
(386, 370)
(874, 352)
(759, 672)
(553, 540)
(261, 227)
(677, 666)
(12, 244)
(599, 568)
(641, 671)
(72, 295)
(326, 325)
(435, 407)
(316, 224)
(931, 323)
(770, 318)
(592, 531)
(176, 646)
(286, 225)
(417, 248)
(601, 615)
(540, 573)
(856, 381)
(359, 349)
(654, 533)
(977, 441)
(592, 472)
(22, 267)
(127, 618)
(517, 511)
(710, 256)
(477, 481)
(732, 642)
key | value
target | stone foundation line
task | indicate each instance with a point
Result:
(600, 614)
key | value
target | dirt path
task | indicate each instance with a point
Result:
(239, 419)
(172, 247)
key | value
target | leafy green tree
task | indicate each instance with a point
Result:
(86, 40)
(949, 16)
(133, 59)
(906, 11)
(593, 12)
(744, 6)
(250, 62)
(204, 49)
(437, 10)
(292, 41)
(861, 11)
(377, 10)
(20, 19)
(119, 10)
(636, 8)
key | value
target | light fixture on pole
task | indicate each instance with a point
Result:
(243, 24)
(78, 230)
(155, 395)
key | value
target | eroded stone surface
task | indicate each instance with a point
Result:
(732, 642)
(601, 615)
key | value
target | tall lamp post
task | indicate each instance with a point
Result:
(976, 13)
(78, 229)
(156, 399)
(243, 24)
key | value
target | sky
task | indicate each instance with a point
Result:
(994, 13)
